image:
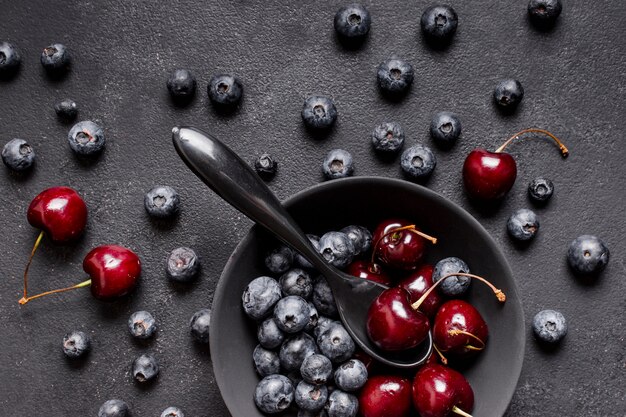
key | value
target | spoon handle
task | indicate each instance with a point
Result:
(233, 180)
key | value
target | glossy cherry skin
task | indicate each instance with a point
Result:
(437, 389)
(489, 175)
(459, 315)
(60, 212)
(385, 396)
(368, 270)
(114, 271)
(417, 284)
(392, 324)
(403, 249)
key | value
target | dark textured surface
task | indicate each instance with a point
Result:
(573, 79)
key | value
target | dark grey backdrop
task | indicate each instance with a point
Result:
(574, 79)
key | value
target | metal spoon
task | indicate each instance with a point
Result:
(231, 178)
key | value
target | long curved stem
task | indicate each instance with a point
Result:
(455, 332)
(562, 147)
(30, 260)
(24, 300)
(460, 412)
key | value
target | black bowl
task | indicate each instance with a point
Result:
(367, 201)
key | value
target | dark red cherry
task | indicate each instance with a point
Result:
(490, 175)
(459, 330)
(369, 270)
(114, 271)
(385, 396)
(60, 212)
(399, 244)
(439, 391)
(417, 284)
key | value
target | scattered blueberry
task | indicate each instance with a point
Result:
(338, 164)
(418, 162)
(395, 76)
(445, 129)
(260, 297)
(269, 334)
(225, 90)
(543, 13)
(351, 376)
(337, 249)
(200, 325)
(588, 255)
(55, 58)
(297, 282)
(145, 368)
(66, 109)
(183, 265)
(266, 166)
(76, 344)
(313, 319)
(273, 394)
(172, 412)
(162, 202)
(323, 323)
(508, 93)
(540, 189)
(266, 362)
(301, 260)
(361, 238)
(342, 404)
(523, 224)
(86, 138)
(388, 137)
(295, 350)
(319, 112)
(549, 326)
(439, 23)
(323, 299)
(292, 314)
(316, 369)
(279, 260)
(336, 344)
(181, 84)
(114, 408)
(352, 22)
(311, 397)
(454, 285)
(141, 324)
(9, 58)
(18, 155)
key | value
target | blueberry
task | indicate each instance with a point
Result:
(342, 404)
(523, 224)
(295, 350)
(273, 394)
(454, 285)
(269, 334)
(181, 84)
(540, 190)
(292, 314)
(439, 23)
(172, 412)
(266, 166)
(301, 260)
(352, 22)
(337, 249)
(323, 323)
(141, 324)
(388, 137)
(323, 299)
(86, 138)
(297, 282)
(319, 112)
(76, 344)
(588, 255)
(9, 59)
(114, 408)
(162, 202)
(225, 90)
(266, 362)
(260, 297)
(361, 238)
(316, 369)
(336, 344)
(145, 368)
(183, 265)
(351, 376)
(279, 260)
(543, 13)
(549, 326)
(66, 109)
(311, 397)
(395, 76)
(445, 129)
(200, 325)
(313, 319)
(18, 155)
(508, 93)
(55, 58)
(337, 164)
(418, 162)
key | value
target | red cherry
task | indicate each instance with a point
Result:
(417, 284)
(385, 396)
(490, 175)
(459, 329)
(369, 270)
(60, 212)
(399, 244)
(439, 391)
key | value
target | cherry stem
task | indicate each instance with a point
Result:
(30, 260)
(411, 228)
(24, 300)
(444, 360)
(456, 332)
(460, 412)
(499, 294)
(562, 148)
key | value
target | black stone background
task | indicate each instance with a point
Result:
(574, 78)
